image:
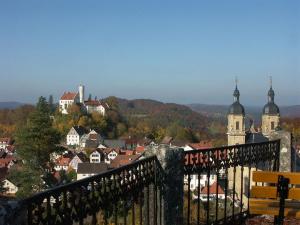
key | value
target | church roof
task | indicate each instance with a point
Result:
(271, 109)
(236, 108)
(255, 138)
(68, 96)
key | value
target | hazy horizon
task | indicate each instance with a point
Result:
(193, 103)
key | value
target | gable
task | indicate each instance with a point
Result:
(72, 131)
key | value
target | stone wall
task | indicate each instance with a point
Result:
(172, 162)
(286, 164)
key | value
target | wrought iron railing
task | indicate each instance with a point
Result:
(218, 180)
(216, 189)
(119, 196)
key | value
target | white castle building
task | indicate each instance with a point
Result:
(90, 106)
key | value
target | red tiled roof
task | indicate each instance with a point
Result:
(140, 149)
(68, 96)
(93, 103)
(127, 152)
(63, 161)
(213, 189)
(201, 145)
(122, 160)
(5, 140)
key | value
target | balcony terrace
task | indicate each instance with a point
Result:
(157, 190)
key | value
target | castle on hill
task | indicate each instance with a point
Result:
(236, 131)
(90, 105)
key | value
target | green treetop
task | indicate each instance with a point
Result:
(35, 141)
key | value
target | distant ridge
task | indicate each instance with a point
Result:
(10, 105)
(253, 111)
(162, 114)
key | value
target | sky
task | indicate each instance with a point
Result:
(172, 51)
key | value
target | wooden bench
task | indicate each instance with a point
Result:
(277, 195)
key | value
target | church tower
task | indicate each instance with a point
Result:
(271, 114)
(236, 120)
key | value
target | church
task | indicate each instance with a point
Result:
(236, 130)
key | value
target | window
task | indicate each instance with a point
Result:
(272, 125)
(237, 125)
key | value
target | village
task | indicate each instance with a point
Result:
(87, 152)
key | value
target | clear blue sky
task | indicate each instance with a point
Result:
(173, 51)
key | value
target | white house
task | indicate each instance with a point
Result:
(203, 180)
(78, 158)
(110, 154)
(10, 188)
(66, 100)
(95, 106)
(70, 98)
(90, 169)
(214, 191)
(96, 156)
(83, 140)
(74, 135)
(62, 163)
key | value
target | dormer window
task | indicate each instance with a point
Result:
(272, 125)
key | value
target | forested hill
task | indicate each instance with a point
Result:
(10, 105)
(162, 114)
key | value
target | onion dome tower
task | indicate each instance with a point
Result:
(236, 120)
(271, 114)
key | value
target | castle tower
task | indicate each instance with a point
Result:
(271, 114)
(81, 93)
(236, 120)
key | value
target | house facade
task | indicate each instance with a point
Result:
(96, 156)
(95, 106)
(110, 154)
(74, 135)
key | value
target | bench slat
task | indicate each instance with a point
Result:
(275, 212)
(272, 177)
(256, 202)
(271, 192)
(271, 207)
